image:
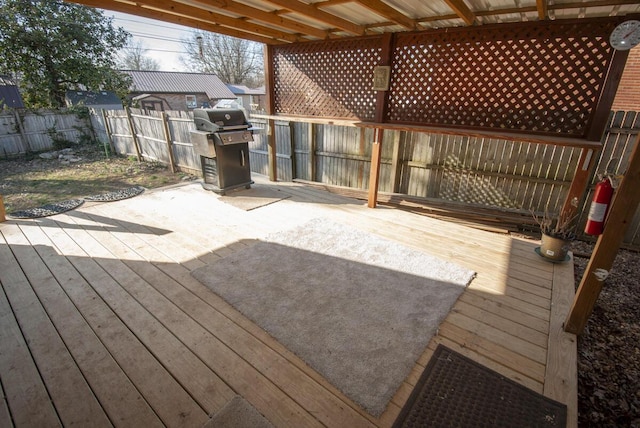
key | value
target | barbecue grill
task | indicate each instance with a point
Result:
(222, 140)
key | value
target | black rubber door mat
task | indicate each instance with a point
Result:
(455, 391)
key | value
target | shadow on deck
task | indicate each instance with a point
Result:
(101, 322)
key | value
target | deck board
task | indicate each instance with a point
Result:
(87, 332)
(114, 280)
(25, 391)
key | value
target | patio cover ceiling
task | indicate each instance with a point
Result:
(286, 21)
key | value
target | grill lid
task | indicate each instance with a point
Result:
(219, 120)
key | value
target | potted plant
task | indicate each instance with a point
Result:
(557, 232)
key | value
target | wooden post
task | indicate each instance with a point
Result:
(3, 216)
(133, 134)
(269, 79)
(167, 138)
(621, 213)
(107, 130)
(580, 182)
(374, 173)
(600, 116)
(312, 152)
(292, 139)
(396, 162)
(378, 133)
(23, 137)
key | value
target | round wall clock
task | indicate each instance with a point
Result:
(625, 36)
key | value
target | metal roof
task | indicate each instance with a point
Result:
(244, 90)
(286, 21)
(180, 83)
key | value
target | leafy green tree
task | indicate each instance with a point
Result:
(50, 47)
(233, 60)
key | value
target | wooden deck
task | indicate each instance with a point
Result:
(102, 324)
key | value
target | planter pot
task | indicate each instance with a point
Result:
(554, 249)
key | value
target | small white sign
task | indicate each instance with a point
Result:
(381, 75)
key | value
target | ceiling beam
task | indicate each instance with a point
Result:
(327, 3)
(174, 19)
(313, 12)
(239, 24)
(518, 10)
(383, 9)
(263, 16)
(462, 10)
(542, 9)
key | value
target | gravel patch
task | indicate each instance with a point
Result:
(48, 209)
(116, 195)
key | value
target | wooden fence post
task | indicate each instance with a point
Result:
(133, 134)
(107, 130)
(396, 162)
(3, 216)
(292, 139)
(312, 152)
(621, 213)
(167, 137)
(23, 137)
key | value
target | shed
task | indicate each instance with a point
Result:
(9, 94)
(164, 90)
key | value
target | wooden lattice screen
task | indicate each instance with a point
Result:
(537, 77)
(327, 79)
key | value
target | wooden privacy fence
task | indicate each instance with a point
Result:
(506, 176)
(23, 131)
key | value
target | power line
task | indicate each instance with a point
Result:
(153, 36)
(149, 23)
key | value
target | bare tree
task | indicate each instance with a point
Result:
(234, 61)
(133, 57)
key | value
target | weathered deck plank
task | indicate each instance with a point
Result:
(198, 332)
(26, 394)
(122, 272)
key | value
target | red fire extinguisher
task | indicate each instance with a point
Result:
(599, 207)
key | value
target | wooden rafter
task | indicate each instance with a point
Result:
(462, 10)
(313, 12)
(216, 18)
(328, 3)
(174, 19)
(388, 12)
(275, 21)
(541, 5)
(263, 16)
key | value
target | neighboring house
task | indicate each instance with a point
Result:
(106, 100)
(628, 94)
(9, 94)
(164, 90)
(250, 99)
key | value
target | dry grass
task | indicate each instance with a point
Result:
(29, 182)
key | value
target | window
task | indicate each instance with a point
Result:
(151, 105)
(191, 101)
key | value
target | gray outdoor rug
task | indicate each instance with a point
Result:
(357, 308)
